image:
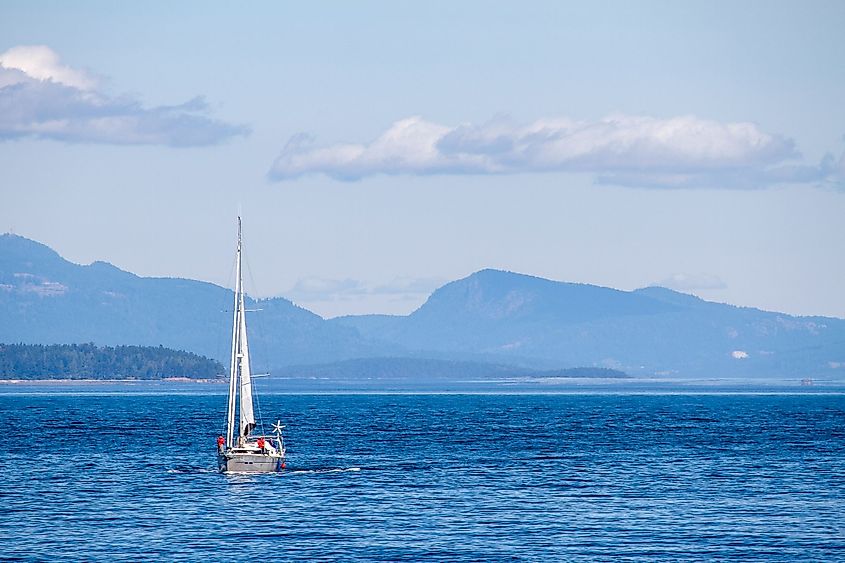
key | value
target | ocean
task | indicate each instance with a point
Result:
(119, 476)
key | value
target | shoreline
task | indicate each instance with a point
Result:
(114, 381)
(324, 387)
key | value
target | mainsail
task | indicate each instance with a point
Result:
(245, 391)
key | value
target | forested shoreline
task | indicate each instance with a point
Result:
(89, 361)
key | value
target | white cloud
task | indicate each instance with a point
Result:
(409, 146)
(678, 152)
(691, 282)
(42, 63)
(41, 98)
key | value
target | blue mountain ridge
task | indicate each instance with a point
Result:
(490, 317)
(515, 318)
(45, 299)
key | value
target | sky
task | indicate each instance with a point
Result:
(377, 150)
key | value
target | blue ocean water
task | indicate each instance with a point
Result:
(429, 477)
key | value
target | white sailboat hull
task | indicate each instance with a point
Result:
(250, 463)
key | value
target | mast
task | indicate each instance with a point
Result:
(233, 364)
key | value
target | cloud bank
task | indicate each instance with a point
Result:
(44, 99)
(641, 151)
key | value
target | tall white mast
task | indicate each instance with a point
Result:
(233, 364)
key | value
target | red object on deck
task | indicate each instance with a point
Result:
(261, 443)
(220, 440)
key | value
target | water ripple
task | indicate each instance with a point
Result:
(441, 477)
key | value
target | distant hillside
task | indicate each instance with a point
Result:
(45, 299)
(87, 361)
(517, 319)
(490, 318)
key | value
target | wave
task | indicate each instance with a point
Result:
(320, 470)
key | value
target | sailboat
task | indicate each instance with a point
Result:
(245, 452)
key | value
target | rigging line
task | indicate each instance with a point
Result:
(223, 334)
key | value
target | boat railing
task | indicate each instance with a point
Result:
(275, 439)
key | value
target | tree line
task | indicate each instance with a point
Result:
(89, 361)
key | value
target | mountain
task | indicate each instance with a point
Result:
(45, 299)
(491, 321)
(524, 320)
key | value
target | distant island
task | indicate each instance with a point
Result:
(89, 361)
(434, 370)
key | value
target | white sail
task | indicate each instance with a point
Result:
(240, 380)
(249, 453)
(245, 391)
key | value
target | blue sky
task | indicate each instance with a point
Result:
(379, 149)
